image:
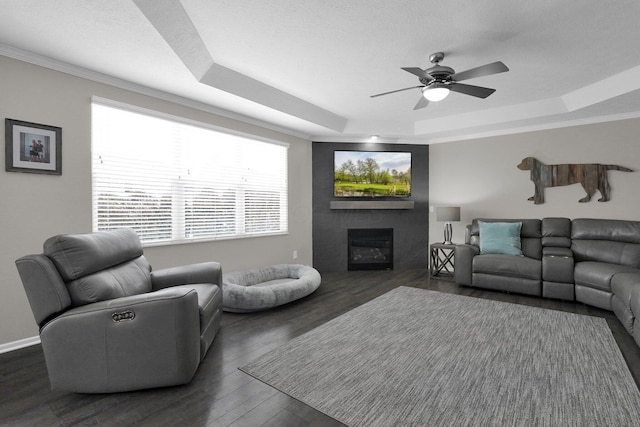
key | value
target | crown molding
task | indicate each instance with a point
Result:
(536, 128)
(85, 73)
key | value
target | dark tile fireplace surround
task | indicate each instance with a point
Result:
(407, 219)
(370, 249)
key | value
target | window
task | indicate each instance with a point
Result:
(174, 181)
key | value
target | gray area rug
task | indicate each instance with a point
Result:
(413, 357)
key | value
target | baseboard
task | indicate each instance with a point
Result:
(16, 345)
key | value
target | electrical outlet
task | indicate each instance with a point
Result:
(295, 254)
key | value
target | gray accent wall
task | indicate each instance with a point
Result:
(410, 225)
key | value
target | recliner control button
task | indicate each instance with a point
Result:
(122, 316)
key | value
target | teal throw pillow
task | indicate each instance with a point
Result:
(500, 238)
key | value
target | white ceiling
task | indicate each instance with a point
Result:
(309, 67)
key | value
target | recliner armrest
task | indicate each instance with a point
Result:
(463, 261)
(135, 342)
(46, 291)
(205, 272)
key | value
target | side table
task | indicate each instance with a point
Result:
(442, 259)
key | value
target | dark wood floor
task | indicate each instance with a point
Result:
(222, 395)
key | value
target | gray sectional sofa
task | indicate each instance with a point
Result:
(593, 261)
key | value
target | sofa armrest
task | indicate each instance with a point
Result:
(46, 291)
(135, 342)
(557, 264)
(557, 252)
(205, 272)
(463, 261)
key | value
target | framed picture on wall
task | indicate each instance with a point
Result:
(32, 148)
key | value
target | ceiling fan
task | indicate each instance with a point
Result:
(437, 81)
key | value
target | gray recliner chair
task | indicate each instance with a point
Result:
(110, 324)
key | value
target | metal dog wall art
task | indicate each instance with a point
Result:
(592, 177)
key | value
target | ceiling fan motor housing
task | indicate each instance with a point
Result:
(438, 73)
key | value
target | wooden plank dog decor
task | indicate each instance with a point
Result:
(592, 176)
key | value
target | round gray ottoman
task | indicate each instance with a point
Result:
(267, 287)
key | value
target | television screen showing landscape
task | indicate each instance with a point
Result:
(372, 174)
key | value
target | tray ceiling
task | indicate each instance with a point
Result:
(309, 68)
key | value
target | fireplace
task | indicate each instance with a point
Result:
(370, 249)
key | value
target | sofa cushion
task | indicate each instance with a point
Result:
(556, 232)
(605, 229)
(609, 241)
(598, 275)
(508, 265)
(129, 278)
(500, 238)
(78, 255)
(100, 266)
(530, 235)
(607, 251)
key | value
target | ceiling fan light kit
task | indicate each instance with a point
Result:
(435, 92)
(436, 82)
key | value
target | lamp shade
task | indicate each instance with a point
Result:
(447, 214)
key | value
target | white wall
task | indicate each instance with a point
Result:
(35, 207)
(481, 177)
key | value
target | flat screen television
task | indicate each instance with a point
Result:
(372, 174)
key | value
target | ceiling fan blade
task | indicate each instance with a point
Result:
(422, 103)
(483, 70)
(477, 91)
(418, 72)
(394, 91)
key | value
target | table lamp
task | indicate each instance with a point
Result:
(448, 214)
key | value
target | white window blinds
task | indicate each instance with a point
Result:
(173, 181)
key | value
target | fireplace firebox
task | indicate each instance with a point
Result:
(370, 249)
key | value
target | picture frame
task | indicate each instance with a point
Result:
(32, 147)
